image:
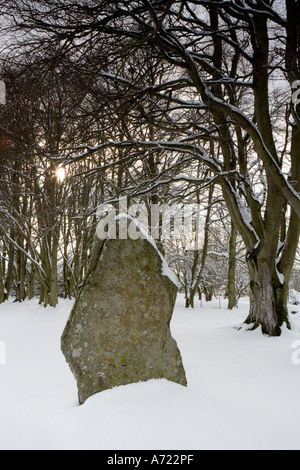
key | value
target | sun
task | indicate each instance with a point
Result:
(61, 174)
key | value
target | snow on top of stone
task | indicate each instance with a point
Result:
(165, 270)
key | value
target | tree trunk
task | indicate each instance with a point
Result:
(20, 273)
(49, 288)
(10, 266)
(197, 269)
(208, 294)
(53, 298)
(268, 297)
(232, 301)
(31, 282)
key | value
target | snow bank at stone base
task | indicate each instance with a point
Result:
(243, 388)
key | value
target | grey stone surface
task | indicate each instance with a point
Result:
(119, 329)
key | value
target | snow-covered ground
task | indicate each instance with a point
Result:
(243, 388)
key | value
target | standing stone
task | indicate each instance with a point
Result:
(119, 329)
